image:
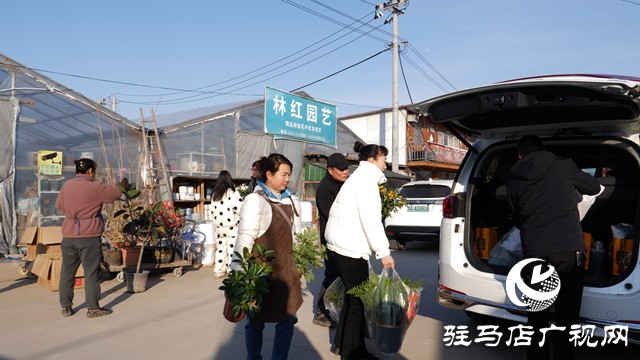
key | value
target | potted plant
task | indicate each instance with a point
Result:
(140, 228)
(172, 222)
(244, 288)
(390, 305)
(308, 252)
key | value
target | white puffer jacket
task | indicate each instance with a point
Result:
(255, 218)
(355, 227)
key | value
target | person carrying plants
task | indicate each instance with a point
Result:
(226, 204)
(354, 230)
(80, 200)
(337, 173)
(267, 217)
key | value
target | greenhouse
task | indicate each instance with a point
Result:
(45, 126)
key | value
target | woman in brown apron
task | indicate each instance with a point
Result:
(266, 218)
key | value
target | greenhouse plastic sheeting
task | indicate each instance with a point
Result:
(250, 148)
(8, 114)
(292, 150)
(201, 149)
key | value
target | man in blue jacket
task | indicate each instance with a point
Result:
(544, 191)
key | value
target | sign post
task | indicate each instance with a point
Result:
(290, 116)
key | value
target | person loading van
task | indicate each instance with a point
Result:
(543, 199)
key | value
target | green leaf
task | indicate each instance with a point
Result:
(132, 194)
(119, 212)
(122, 189)
(130, 228)
(157, 207)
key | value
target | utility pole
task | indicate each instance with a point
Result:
(394, 115)
(392, 5)
(109, 101)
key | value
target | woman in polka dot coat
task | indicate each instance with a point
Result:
(225, 207)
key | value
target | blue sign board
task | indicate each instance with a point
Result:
(293, 117)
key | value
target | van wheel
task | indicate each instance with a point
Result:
(396, 245)
(476, 316)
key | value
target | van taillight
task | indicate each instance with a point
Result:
(447, 207)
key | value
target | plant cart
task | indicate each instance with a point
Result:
(121, 269)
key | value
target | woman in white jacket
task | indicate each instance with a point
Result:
(267, 218)
(225, 208)
(354, 230)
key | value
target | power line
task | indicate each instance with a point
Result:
(429, 64)
(631, 2)
(390, 34)
(272, 63)
(338, 72)
(405, 79)
(424, 73)
(269, 71)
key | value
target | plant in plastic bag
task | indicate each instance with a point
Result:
(245, 287)
(334, 299)
(390, 305)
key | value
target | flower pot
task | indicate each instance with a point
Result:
(388, 339)
(137, 282)
(45, 185)
(130, 255)
(162, 255)
(113, 257)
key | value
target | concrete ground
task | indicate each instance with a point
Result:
(181, 318)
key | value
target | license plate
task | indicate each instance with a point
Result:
(418, 208)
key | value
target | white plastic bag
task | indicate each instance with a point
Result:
(334, 299)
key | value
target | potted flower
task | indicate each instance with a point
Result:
(140, 228)
(172, 222)
(308, 252)
(244, 288)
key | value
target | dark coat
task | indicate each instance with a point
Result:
(544, 191)
(326, 194)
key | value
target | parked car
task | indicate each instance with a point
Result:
(593, 120)
(421, 217)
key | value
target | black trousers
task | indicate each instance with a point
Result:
(350, 330)
(75, 251)
(567, 308)
(330, 275)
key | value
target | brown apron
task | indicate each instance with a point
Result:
(285, 293)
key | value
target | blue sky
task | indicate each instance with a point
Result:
(193, 44)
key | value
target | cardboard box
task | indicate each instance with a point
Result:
(41, 235)
(48, 272)
(42, 240)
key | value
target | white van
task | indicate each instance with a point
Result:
(594, 120)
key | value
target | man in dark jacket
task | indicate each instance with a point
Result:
(544, 191)
(337, 173)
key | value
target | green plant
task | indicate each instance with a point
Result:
(307, 252)
(395, 301)
(142, 218)
(245, 287)
(391, 200)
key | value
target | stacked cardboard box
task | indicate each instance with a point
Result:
(43, 248)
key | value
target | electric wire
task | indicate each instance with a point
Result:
(338, 72)
(269, 71)
(171, 102)
(424, 73)
(391, 35)
(272, 63)
(631, 2)
(405, 79)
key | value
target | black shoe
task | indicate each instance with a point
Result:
(335, 350)
(323, 320)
